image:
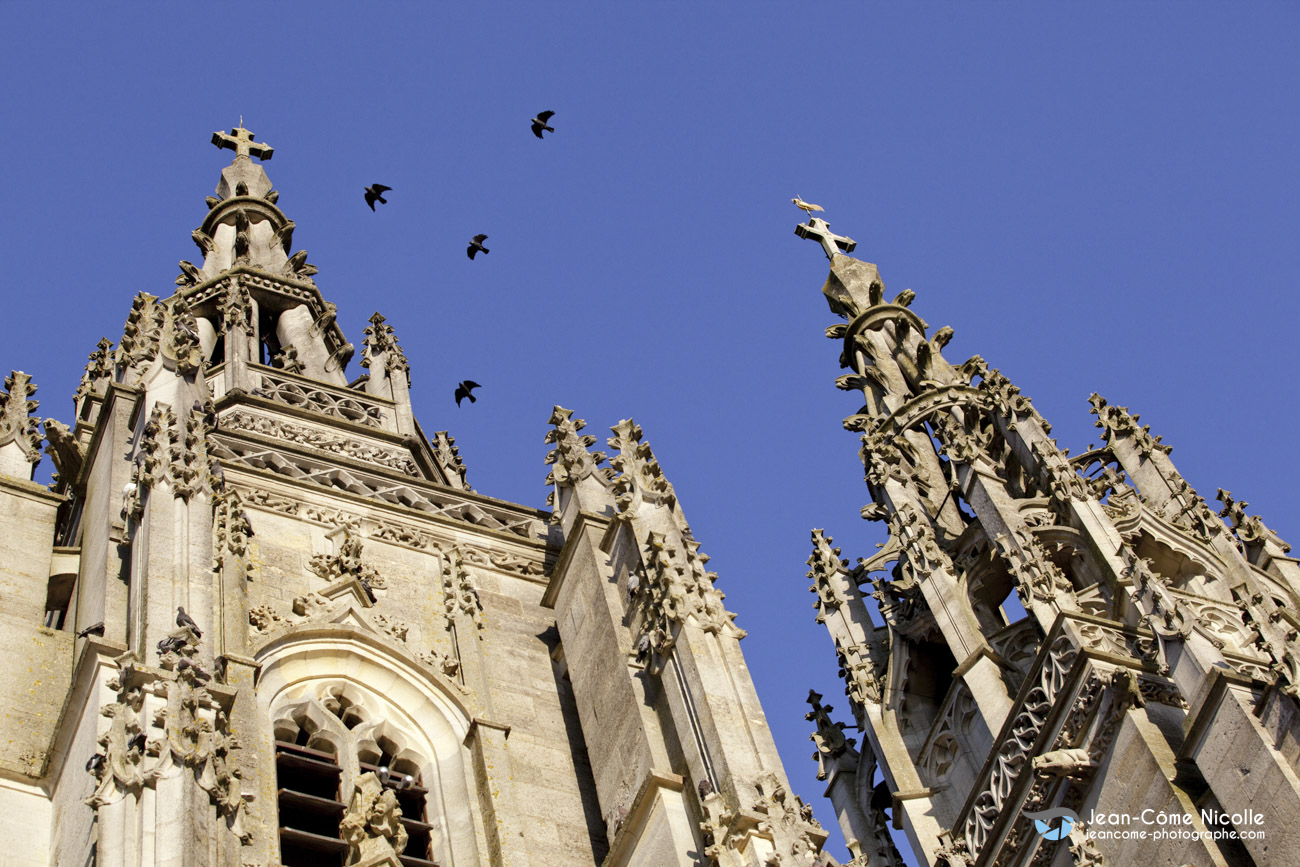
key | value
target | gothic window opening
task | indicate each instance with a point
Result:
(218, 354)
(323, 748)
(403, 777)
(269, 344)
(307, 794)
(929, 677)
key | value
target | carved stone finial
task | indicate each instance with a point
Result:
(820, 231)
(20, 432)
(829, 737)
(570, 459)
(640, 478)
(241, 142)
(99, 370)
(231, 528)
(825, 564)
(381, 341)
(448, 456)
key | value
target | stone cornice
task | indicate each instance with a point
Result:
(453, 528)
(30, 490)
(471, 497)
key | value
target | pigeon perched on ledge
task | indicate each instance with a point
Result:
(183, 620)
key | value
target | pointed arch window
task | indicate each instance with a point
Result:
(323, 745)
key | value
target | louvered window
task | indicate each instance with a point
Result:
(310, 810)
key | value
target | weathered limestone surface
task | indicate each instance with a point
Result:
(36, 680)
(282, 629)
(1061, 633)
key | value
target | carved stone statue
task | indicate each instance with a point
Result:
(372, 825)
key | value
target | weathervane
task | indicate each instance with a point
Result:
(820, 231)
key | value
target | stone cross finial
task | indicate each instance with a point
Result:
(820, 231)
(241, 142)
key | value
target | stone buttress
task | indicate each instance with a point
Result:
(682, 757)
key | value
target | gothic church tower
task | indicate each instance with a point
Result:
(265, 620)
(1059, 632)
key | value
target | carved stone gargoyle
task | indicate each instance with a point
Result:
(372, 825)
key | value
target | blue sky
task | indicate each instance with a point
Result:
(1095, 196)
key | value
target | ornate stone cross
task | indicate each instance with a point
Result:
(241, 142)
(820, 231)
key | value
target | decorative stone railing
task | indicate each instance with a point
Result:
(358, 408)
(1088, 673)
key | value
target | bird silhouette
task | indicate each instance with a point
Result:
(463, 391)
(374, 193)
(183, 620)
(806, 207)
(539, 123)
(475, 245)
(97, 629)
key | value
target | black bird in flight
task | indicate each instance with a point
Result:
(539, 123)
(476, 245)
(375, 193)
(463, 391)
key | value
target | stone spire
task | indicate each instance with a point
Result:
(988, 515)
(243, 226)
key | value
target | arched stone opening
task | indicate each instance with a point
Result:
(342, 704)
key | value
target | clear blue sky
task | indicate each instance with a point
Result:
(1095, 196)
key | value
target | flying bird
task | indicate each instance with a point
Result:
(539, 123)
(463, 391)
(476, 245)
(183, 620)
(806, 207)
(375, 193)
